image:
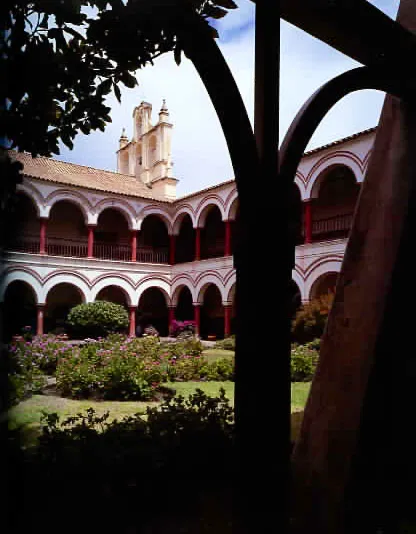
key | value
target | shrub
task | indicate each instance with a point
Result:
(24, 375)
(226, 344)
(110, 370)
(220, 370)
(310, 320)
(303, 361)
(150, 331)
(183, 329)
(43, 351)
(97, 319)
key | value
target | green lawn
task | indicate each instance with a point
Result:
(216, 354)
(27, 414)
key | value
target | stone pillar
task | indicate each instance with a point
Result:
(132, 324)
(172, 243)
(39, 319)
(227, 247)
(133, 245)
(90, 253)
(307, 218)
(197, 317)
(42, 236)
(227, 319)
(171, 315)
(197, 244)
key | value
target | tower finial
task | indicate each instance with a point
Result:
(164, 108)
(123, 134)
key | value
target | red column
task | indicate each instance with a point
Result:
(307, 217)
(171, 316)
(42, 236)
(197, 318)
(90, 253)
(227, 319)
(227, 248)
(132, 325)
(197, 244)
(39, 319)
(134, 245)
(172, 243)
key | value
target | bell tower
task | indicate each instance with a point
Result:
(148, 155)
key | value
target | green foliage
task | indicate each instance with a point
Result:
(219, 370)
(24, 375)
(96, 319)
(310, 320)
(187, 444)
(43, 351)
(226, 344)
(59, 61)
(303, 361)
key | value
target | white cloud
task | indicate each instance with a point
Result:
(199, 149)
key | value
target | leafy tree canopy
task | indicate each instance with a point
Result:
(59, 61)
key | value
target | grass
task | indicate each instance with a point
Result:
(215, 354)
(27, 415)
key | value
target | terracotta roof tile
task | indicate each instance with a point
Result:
(60, 172)
(339, 141)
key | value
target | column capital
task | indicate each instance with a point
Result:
(197, 303)
(227, 304)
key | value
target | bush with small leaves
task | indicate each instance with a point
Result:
(97, 319)
(309, 322)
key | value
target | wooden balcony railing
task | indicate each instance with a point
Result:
(78, 248)
(339, 224)
(75, 248)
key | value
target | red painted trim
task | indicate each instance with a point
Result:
(90, 253)
(197, 318)
(134, 245)
(172, 243)
(171, 314)
(197, 244)
(39, 319)
(227, 320)
(307, 218)
(42, 236)
(227, 245)
(132, 321)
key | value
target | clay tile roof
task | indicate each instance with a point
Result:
(339, 141)
(60, 172)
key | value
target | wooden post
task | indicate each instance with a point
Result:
(307, 218)
(39, 319)
(90, 253)
(133, 245)
(197, 244)
(197, 318)
(42, 236)
(132, 323)
(172, 242)
(227, 247)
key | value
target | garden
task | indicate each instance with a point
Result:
(117, 420)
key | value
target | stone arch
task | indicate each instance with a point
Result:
(34, 195)
(179, 216)
(205, 206)
(22, 275)
(324, 284)
(229, 289)
(321, 267)
(59, 301)
(69, 278)
(75, 198)
(300, 183)
(121, 206)
(298, 280)
(337, 159)
(19, 308)
(155, 210)
(231, 205)
(117, 281)
(177, 286)
(115, 294)
(205, 281)
(211, 311)
(153, 309)
(185, 240)
(159, 283)
(183, 299)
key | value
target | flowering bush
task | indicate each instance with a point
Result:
(43, 350)
(182, 329)
(119, 368)
(23, 374)
(150, 331)
(310, 320)
(304, 359)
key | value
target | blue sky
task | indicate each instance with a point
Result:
(199, 151)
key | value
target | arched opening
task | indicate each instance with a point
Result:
(333, 209)
(295, 298)
(112, 236)
(23, 235)
(212, 314)
(153, 310)
(233, 218)
(296, 215)
(67, 233)
(213, 235)
(323, 285)
(19, 309)
(185, 308)
(185, 241)
(114, 294)
(153, 241)
(59, 302)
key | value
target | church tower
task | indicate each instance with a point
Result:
(148, 155)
